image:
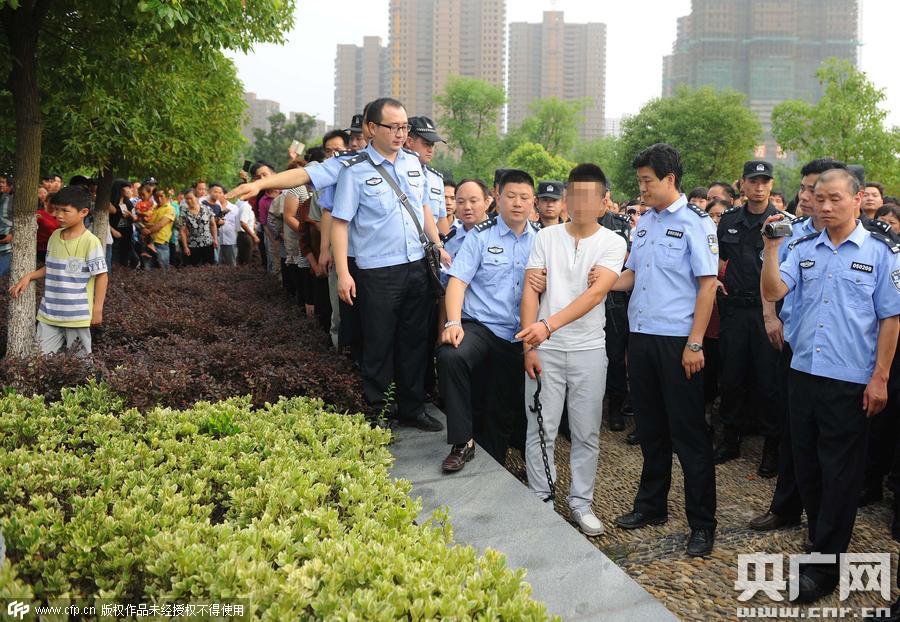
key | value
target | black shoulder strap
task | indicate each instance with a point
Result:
(486, 224)
(697, 210)
(808, 236)
(404, 200)
(895, 248)
(359, 157)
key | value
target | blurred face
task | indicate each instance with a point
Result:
(200, 188)
(68, 216)
(450, 201)
(778, 201)
(892, 220)
(263, 171)
(655, 192)
(549, 208)
(333, 146)
(425, 148)
(216, 194)
(806, 198)
(127, 192)
(389, 134)
(700, 202)
(5, 188)
(136, 189)
(835, 205)
(872, 199)
(470, 204)
(358, 141)
(584, 201)
(757, 189)
(715, 212)
(43, 194)
(160, 197)
(717, 192)
(191, 200)
(516, 203)
(57, 184)
(146, 193)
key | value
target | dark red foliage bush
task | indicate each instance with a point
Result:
(195, 334)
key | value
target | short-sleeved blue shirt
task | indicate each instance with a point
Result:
(670, 249)
(840, 295)
(801, 228)
(491, 261)
(435, 196)
(382, 230)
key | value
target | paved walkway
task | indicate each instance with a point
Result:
(490, 508)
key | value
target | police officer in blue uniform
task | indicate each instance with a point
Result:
(750, 336)
(846, 283)
(482, 304)
(671, 272)
(786, 507)
(422, 138)
(392, 279)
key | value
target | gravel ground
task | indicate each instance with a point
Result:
(703, 589)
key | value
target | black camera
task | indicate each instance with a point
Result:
(778, 229)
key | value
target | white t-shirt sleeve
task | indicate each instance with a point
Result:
(538, 258)
(611, 254)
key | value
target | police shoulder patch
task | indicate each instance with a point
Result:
(625, 218)
(346, 153)
(435, 171)
(411, 152)
(731, 210)
(895, 248)
(450, 234)
(808, 236)
(536, 225)
(360, 157)
(697, 210)
(486, 224)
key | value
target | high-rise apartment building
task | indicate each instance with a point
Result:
(430, 40)
(768, 49)
(361, 74)
(258, 113)
(557, 59)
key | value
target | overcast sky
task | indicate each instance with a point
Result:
(300, 74)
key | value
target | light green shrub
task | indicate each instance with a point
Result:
(290, 509)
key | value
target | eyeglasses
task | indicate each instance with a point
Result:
(395, 129)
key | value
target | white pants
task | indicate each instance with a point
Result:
(583, 373)
(52, 339)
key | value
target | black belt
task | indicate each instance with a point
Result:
(746, 302)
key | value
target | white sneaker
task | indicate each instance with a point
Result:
(589, 524)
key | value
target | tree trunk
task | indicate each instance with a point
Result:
(21, 27)
(101, 205)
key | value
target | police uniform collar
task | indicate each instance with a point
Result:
(377, 158)
(680, 202)
(858, 236)
(503, 228)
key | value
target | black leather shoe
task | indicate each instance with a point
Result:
(457, 458)
(870, 494)
(636, 520)
(725, 452)
(700, 544)
(423, 421)
(770, 521)
(632, 438)
(616, 421)
(810, 591)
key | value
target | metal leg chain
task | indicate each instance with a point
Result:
(536, 409)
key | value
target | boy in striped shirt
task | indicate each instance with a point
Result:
(75, 278)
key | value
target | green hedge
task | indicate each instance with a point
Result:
(289, 509)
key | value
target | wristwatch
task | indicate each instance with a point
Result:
(694, 347)
(450, 323)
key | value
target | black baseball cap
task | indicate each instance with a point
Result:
(424, 127)
(150, 181)
(758, 168)
(550, 189)
(356, 124)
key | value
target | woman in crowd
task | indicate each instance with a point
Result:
(122, 221)
(47, 224)
(199, 235)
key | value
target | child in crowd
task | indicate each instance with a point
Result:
(143, 212)
(76, 278)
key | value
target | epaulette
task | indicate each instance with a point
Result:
(359, 157)
(625, 218)
(731, 210)
(799, 220)
(895, 248)
(411, 152)
(788, 216)
(348, 153)
(697, 210)
(535, 224)
(808, 236)
(435, 171)
(486, 224)
(879, 225)
(450, 235)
